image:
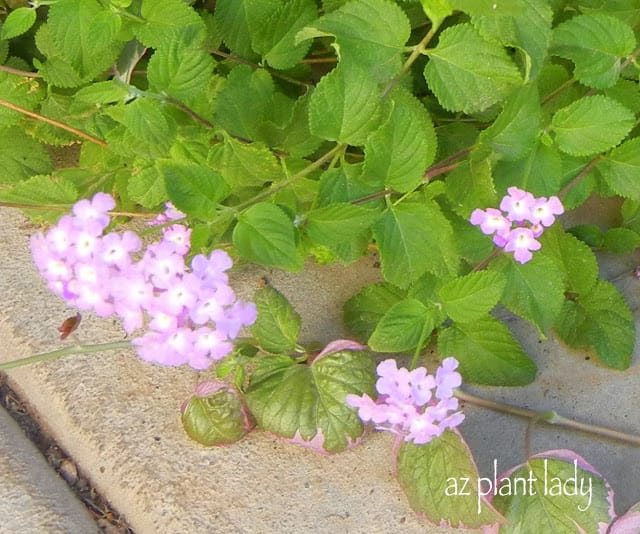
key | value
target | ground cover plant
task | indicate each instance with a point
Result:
(444, 136)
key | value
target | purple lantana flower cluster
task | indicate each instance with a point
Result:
(529, 214)
(412, 404)
(190, 314)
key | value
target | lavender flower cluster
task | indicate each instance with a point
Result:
(531, 216)
(407, 405)
(191, 314)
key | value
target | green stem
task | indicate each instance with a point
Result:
(417, 52)
(551, 418)
(285, 183)
(67, 351)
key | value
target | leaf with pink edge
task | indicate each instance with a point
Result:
(305, 403)
(440, 479)
(557, 491)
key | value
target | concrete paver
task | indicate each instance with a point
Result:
(118, 418)
(33, 499)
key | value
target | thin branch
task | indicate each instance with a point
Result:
(23, 73)
(57, 124)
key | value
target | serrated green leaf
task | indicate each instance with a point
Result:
(534, 290)
(84, 34)
(563, 505)
(240, 20)
(18, 21)
(215, 419)
(413, 239)
(338, 222)
(248, 102)
(596, 43)
(577, 262)
(621, 240)
(398, 153)
(363, 311)
(471, 185)
(21, 156)
(42, 191)
(478, 8)
(468, 73)
(164, 19)
(345, 106)
(344, 184)
(108, 92)
(539, 171)
(194, 189)
(146, 186)
(601, 320)
(278, 325)
(487, 352)
(527, 28)
(21, 91)
(244, 164)
(621, 169)
(149, 127)
(515, 131)
(590, 125)
(274, 39)
(306, 403)
(265, 235)
(179, 70)
(406, 325)
(440, 468)
(370, 34)
(470, 297)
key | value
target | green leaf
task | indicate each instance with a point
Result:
(577, 262)
(345, 106)
(621, 240)
(21, 91)
(527, 28)
(40, 191)
(468, 73)
(240, 20)
(471, 185)
(274, 39)
(601, 320)
(399, 152)
(406, 325)
(21, 156)
(515, 131)
(100, 93)
(215, 415)
(590, 234)
(194, 189)
(179, 70)
(436, 10)
(363, 311)
(265, 235)
(413, 239)
(534, 290)
(468, 298)
(243, 164)
(164, 19)
(590, 125)
(278, 325)
(338, 222)
(488, 353)
(596, 43)
(432, 477)
(344, 184)
(248, 102)
(306, 403)
(620, 168)
(561, 505)
(84, 34)
(18, 21)
(147, 187)
(370, 34)
(539, 171)
(150, 130)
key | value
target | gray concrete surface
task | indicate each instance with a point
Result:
(33, 499)
(118, 418)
